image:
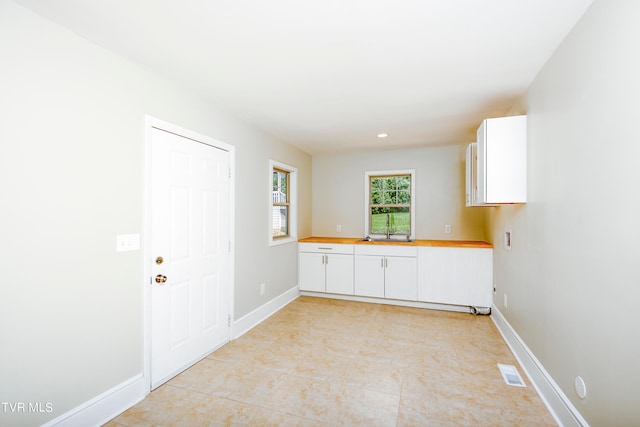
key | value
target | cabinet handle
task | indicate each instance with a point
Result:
(325, 249)
(323, 259)
(381, 262)
(386, 263)
(327, 258)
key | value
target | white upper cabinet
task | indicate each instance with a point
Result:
(471, 184)
(500, 166)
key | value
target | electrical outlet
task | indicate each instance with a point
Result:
(339, 228)
(447, 228)
(507, 239)
(263, 288)
(495, 288)
(505, 301)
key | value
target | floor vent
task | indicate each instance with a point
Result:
(511, 375)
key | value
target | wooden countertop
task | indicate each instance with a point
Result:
(439, 243)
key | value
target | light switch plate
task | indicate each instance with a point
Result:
(127, 242)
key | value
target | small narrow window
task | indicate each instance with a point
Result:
(283, 221)
(281, 203)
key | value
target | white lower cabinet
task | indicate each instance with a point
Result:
(311, 275)
(432, 274)
(325, 268)
(457, 276)
(385, 271)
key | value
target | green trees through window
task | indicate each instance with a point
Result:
(390, 204)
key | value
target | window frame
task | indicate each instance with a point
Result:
(367, 201)
(292, 196)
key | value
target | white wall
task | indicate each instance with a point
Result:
(71, 168)
(339, 192)
(572, 277)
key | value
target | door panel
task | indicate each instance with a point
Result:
(181, 212)
(211, 295)
(210, 223)
(179, 301)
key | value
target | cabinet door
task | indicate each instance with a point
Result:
(339, 274)
(481, 163)
(502, 160)
(311, 271)
(470, 175)
(369, 276)
(401, 278)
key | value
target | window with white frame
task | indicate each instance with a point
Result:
(390, 205)
(283, 203)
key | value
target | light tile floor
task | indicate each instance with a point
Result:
(324, 362)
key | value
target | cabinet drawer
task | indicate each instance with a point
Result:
(325, 248)
(386, 250)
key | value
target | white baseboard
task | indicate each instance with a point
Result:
(105, 406)
(247, 322)
(565, 414)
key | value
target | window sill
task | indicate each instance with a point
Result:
(284, 241)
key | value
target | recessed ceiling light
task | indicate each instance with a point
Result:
(382, 135)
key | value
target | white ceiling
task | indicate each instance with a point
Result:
(328, 75)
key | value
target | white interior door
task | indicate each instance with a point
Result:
(190, 280)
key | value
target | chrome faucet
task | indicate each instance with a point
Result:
(388, 228)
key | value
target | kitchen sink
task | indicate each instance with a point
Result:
(371, 239)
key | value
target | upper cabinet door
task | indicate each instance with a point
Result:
(501, 169)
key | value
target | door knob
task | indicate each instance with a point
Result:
(159, 260)
(161, 278)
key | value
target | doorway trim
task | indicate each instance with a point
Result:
(150, 123)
